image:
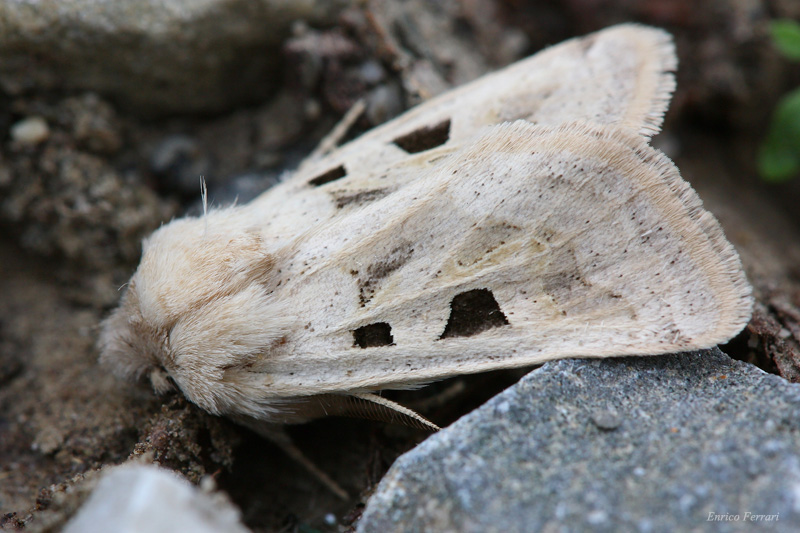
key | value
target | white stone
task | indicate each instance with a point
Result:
(139, 498)
(30, 130)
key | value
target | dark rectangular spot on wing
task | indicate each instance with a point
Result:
(424, 138)
(359, 198)
(329, 176)
(473, 312)
(371, 335)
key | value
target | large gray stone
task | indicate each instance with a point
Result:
(629, 444)
(155, 56)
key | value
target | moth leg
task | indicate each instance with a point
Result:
(441, 398)
(332, 139)
(277, 434)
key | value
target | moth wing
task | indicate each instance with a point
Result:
(620, 76)
(528, 244)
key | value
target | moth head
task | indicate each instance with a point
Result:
(197, 312)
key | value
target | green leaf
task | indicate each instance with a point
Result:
(779, 156)
(777, 166)
(786, 36)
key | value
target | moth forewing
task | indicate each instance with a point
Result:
(577, 240)
(620, 76)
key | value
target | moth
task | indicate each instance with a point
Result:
(517, 219)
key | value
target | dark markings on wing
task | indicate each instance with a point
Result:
(329, 176)
(473, 312)
(567, 282)
(377, 334)
(359, 198)
(370, 279)
(424, 138)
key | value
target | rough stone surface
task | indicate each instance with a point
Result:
(630, 444)
(154, 56)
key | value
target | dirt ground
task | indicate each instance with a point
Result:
(74, 208)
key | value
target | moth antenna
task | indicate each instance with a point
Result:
(332, 139)
(409, 417)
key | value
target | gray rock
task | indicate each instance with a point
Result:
(629, 444)
(155, 56)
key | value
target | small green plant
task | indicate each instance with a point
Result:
(779, 155)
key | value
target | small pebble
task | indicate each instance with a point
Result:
(606, 419)
(31, 130)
